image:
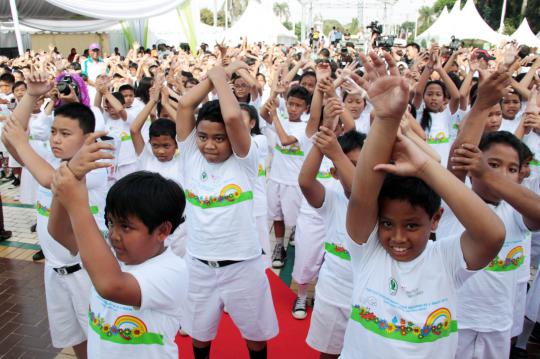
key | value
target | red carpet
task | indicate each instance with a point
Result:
(290, 343)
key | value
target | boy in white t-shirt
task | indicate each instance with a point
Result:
(226, 268)
(284, 195)
(404, 296)
(138, 294)
(67, 286)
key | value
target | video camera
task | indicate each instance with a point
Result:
(64, 83)
(385, 42)
(455, 44)
(375, 27)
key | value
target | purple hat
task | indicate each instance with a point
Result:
(94, 46)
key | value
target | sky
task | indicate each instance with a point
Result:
(345, 10)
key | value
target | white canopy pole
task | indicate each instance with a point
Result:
(16, 25)
(503, 14)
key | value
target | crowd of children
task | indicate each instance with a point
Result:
(411, 195)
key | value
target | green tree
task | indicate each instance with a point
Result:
(328, 24)
(207, 16)
(426, 17)
(281, 9)
(353, 26)
(288, 25)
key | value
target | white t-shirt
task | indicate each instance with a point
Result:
(57, 255)
(119, 130)
(122, 331)
(259, 193)
(335, 283)
(363, 122)
(440, 135)
(404, 308)
(172, 169)
(219, 214)
(486, 299)
(288, 160)
(532, 140)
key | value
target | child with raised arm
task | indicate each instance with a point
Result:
(138, 293)
(225, 265)
(284, 195)
(67, 286)
(401, 306)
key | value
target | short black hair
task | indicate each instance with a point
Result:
(301, 93)
(307, 74)
(163, 127)
(7, 77)
(526, 152)
(412, 190)
(80, 113)
(325, 52)
(210, 111)
(125, 87)
(351, 141)
(148, 196)
(253, 115)
(186, 74)
(119, 97)
(413, 44)
(505, 138)
(17, 84)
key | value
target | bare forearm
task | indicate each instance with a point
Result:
(314, 113)
(284, 138)
(60, 227)
(312, 189)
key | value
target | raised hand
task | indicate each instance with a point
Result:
(154, 92)
(333, 109)
(326, 142)
(38, 84)
(13, 132)
(89, 157)
(469, 158)
(408, 158)
(388, 91)
(492, 89)
(68, 189)
(322, 70)
(532, 105)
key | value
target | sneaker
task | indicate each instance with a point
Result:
(299, 310)
(291, 237)
(38, 256)
(279, 256)
(33, 228)
(16, 182)
(5, 235)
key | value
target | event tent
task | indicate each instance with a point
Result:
(259, 17)
(471, 26)
(524, 35)
(436, 29)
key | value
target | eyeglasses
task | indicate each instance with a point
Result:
(241, 86)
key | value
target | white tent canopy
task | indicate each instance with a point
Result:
(261, 17)
(524, 35)
(68, 25)
(436, 29)
(472, 26)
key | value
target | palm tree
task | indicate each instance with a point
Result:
(425, 18)
(281, 9)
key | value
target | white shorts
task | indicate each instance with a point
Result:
(480, 345)
(68, 298)
(309, 247)
(519, 309)
(327, 327)
(533, 300)
(242, 289)
(264, 237)
(283, 202)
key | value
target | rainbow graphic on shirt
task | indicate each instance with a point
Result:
(127, 329)
(262, 171)
(45, 211)
(514, 259)
(438, 139)
(124, 136)
(338, 250)
(229, 195)
(438, 325)
(292, 150)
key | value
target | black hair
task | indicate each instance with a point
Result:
(193, 81)
(455, 79)
(7, 77)
(504, 138)
(210, 111)
(307, 74)
(253, 115)
(410, 189)
(75, 66)
(413, 44)
(149, 197)
(526, 152)
(80, 113)
(513, 92)
(143, 89)
(325, 52)
(301, 93)
(125, 87)
(186, 74)
(119, 97)
(17, 84)
(351, 141)
(163, 127)
(425, 121)
(133, 65)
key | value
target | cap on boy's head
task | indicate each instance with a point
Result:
(483, 54)
(94, 47)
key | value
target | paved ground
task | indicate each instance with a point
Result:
(24, 329)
